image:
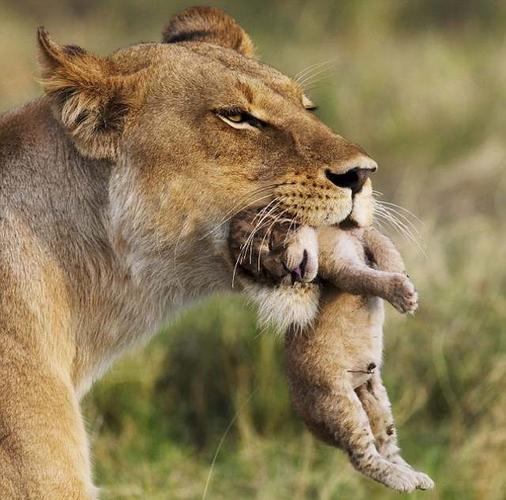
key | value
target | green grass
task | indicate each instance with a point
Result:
(420, 84)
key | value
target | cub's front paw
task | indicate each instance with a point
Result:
(402, 293)
(424, 481)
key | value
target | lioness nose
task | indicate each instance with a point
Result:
(355, 177)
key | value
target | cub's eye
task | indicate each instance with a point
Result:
(240, 119)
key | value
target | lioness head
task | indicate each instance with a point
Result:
(197, 128)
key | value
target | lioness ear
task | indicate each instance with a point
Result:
(207, 24)
(88, 98)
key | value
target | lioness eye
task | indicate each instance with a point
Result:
(238, 118)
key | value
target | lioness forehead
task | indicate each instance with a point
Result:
(204, 61)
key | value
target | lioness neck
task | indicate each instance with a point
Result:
(62, 259)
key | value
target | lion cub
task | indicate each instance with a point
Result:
(334, 365)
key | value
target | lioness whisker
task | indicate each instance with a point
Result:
(310, 68)
(319, 77)
(235, 210)
(395, 222)
(378, 194)
(396, 219)
(267, 233)
(380, 224)
(225, 220)
(399, 227)
(264, 210)
(260, 224)
(382, 217)
(401, 216)
(292, 222)
(315, 71)
(403, 209)
(244, 246)
(255, 192)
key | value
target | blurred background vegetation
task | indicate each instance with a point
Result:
(421, 84)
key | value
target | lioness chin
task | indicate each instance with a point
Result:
(116, 189)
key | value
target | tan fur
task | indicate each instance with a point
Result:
(334, 364)
(115, 192)
(334, 367)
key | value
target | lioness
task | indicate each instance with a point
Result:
(334, 365)
(115, 192)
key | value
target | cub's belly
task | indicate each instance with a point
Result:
(359, 335)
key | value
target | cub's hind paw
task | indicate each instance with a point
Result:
(423, 481)
(401, 479)
(402, 294)
(396, 476)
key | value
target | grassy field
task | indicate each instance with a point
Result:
(204, 408)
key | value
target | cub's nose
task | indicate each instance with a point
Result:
(355, 177)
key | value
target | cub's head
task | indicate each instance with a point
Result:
(197, 128)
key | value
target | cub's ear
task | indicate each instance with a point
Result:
(211, 25)
(90, 100)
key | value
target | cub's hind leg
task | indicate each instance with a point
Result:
(339, 419)
(318, 361)
(374, 399)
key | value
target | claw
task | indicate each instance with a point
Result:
(302, 255)
(298, 274)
